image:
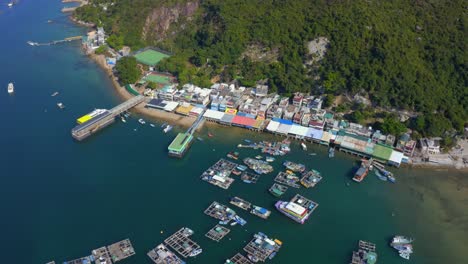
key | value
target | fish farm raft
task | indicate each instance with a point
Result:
(181, 242)
(217, 233)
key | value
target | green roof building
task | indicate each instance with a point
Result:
(180, 145)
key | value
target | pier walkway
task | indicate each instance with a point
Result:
(183, 141)
(54, 42)
(84, 130)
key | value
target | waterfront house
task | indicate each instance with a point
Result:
(430, 146)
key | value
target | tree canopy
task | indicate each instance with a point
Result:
(127, 70)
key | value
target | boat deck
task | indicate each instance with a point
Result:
(162, 255)
(240, 259)
(217, 233)
(248, 177)
(305, 202)
(241, 203)
(102, 254)
(181, 243)
(219, 173)
(263, 216)
(278, 186)
(282, 178)
(121, 250)
(307, 179)
(219, 211)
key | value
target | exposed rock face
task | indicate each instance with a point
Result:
(158, 23)
(317, 49)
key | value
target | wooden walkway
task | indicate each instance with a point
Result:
(181, 242)
(217, 233)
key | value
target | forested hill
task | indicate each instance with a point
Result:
(404, 54)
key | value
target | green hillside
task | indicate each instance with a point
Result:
(401, 54)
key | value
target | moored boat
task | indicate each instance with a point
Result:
(363, 170)
(167, 128)
(295, 167)
(270, 159)
(141, 121)
(298, 208)
(233, 155)
(61, 105)
(260, 212)
(303, 145)
(331, 152)
(195, 252)
(311, 178)
(278, 189)
(54, 94)
(11, 88)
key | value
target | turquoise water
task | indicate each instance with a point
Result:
(61, 199)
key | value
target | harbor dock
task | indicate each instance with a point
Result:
(219, 173)
(262, 247)
(181, 243)
(104, 119)
(183, 141)
(241, 203)
(162, 255)
(289, 179)
(238, 259)
(121, 250)
(217, 233)
(82, 260)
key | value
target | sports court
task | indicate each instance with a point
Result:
(150, 57)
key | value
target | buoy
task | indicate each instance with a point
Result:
(162, 231)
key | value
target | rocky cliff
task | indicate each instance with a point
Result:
(158, 23)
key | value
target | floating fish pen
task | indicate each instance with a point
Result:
(304, 202)
(365, 254)
(238, 259)
(181, 243)
(278, 189)
(102, 254)
(219, 173)
(82, 260)
(310, 178)
(241, 203)
(220, 212)
(162, 255)
(248, 177)
(288, 179)
(259, 166)
(217, 233)
(261, 247)
(121, 250)
(260, 212)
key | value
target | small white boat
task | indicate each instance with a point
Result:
(168, 128)
(54, 94)
(10, 4)
(152, 125)
(11, 88)
(141, 121)
(61, 105)
(195, 252)
(123, 119)
(304, 147)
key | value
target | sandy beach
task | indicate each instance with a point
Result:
(184, 121)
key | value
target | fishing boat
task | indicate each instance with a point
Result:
(380, 176)
(11, 88)
(224, 222)
(240, 220)
(398, 239)
(168, 128)
(331, 152)
(11, 4)
(233, 155)
(241, 167)
(233, 223)
(363, 170)
(270, 159)
(236, 172)
(61, 105)
(141, 121)
(258, 157)
(247, 141)
(278, 189)
(54, 94)
(152, 125)
(295, 167)
(123, 119)
(195, 252)
(391, 178)
(163, 125)
(303, 145)
(199, 139)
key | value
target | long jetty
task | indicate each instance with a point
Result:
(95, 124)
(55, 41)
